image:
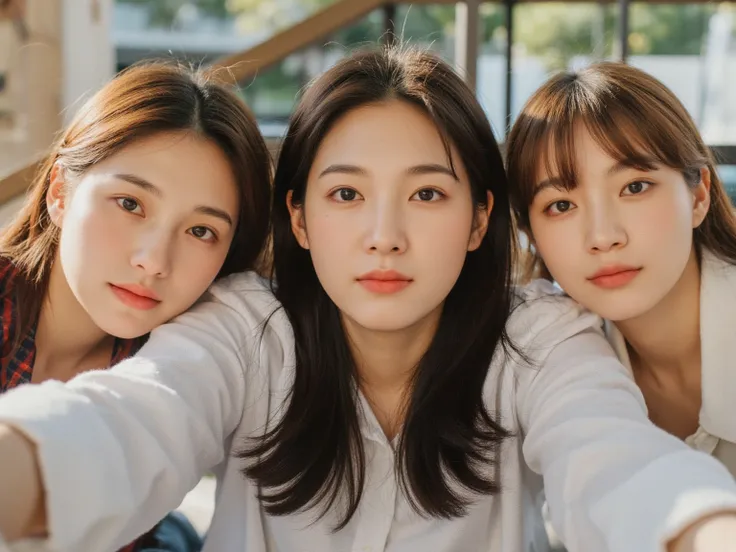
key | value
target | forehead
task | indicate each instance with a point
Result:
(383, 133)
(583, 152)
(186, 168)
(577, 152)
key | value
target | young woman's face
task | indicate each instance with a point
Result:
(387, 223)
(620, 241)
(145, 232)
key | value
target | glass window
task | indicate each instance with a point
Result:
(272, 93)
(728, 177)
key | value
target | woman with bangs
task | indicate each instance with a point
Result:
(625, 210)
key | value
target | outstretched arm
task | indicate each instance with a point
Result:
(24, 515)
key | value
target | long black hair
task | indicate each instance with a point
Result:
(314, 456)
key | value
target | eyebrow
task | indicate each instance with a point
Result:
(554, 182)
(214, 212)
(640, 163)
(140, 182)
(416, 170)
(147, 186)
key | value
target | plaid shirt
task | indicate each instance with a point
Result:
(17, 369)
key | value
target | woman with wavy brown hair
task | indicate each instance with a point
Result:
(158, 187)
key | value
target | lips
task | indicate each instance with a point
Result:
(136, 296)
(616, 276)
(384, 281)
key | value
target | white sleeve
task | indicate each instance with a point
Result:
(119, 448)
(614, 482)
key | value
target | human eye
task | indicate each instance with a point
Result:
(130, 205)
(635, 188)
(560, 207)
(344, 195)
(203, 233)
(428, 194)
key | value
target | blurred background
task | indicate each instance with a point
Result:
(54, 53)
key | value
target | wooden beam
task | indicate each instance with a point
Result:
(467, 38)
(245, 65)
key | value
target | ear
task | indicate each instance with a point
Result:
(480, 223)
(56, 194)
(298, 226)
(701, 197)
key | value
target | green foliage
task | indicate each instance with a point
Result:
(163, 12)
(552, 31)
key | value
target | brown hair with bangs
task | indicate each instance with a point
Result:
(636, 120)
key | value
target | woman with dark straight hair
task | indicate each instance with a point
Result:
(388, 389)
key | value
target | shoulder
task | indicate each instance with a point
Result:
(8, 312)
(718, 275)
(245, 293)
(8, 274)
(542, 319)
(544, 316)
(238, 309)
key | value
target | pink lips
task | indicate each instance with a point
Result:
(136, 296)
(614, 276)
(384, 281)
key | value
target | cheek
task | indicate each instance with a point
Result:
(557, 242)
(666, 224)
(440, 245)
(331, 238)
(441, 240)
(90, 234)
(196, 266)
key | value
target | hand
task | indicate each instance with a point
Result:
(716, 533)
(22, 500)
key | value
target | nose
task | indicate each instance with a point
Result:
(604, 230)
(386, 233)
(153, 253)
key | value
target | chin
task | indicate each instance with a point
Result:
(123, 330)
(618, 311)
(381, 324)
(390, 320)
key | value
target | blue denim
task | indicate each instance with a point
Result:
(175, 533)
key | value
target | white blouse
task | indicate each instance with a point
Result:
(716, 433)
(119, 448)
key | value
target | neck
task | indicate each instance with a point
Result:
(386, 362)
(667, 337)
(66, 335)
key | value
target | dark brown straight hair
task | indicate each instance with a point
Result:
(314, 456)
